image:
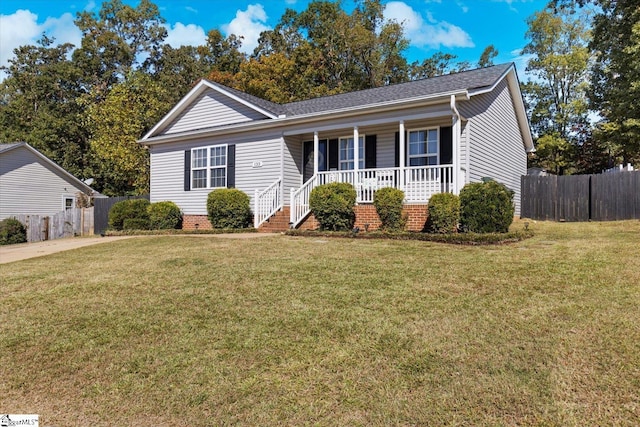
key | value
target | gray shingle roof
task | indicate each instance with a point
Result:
(9, 145)
(465, 80)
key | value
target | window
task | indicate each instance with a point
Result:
(423, 147)
(209, 167)
(69, 202)
(345, 150)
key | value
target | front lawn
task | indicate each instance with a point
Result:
(177, 330)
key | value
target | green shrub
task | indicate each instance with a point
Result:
(228, 208)
(486, 207)
(444, 213)
(388, 202)
(128, 209)
(332, 205)
(164, 216)
(12, 231)
(135, 224)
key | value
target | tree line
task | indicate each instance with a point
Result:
(85, 106)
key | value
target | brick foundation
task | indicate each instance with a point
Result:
(195, 222)
(416, 216)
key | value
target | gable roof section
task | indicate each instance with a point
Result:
(464, 84)
(7, 147)
(257, 105)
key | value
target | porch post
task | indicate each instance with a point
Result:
(455, 131)
(316, 147)
(456, 154)
(401, 154)
(356, 151)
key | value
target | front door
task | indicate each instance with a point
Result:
(307, 159)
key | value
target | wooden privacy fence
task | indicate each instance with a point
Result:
(102, 207)
(69, 223)
(602, 197)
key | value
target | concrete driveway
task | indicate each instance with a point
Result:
(22, 251)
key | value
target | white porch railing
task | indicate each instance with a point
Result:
(267, 202)
(419, 183)
(299, 201)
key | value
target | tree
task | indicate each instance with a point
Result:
(486, 58)
(334, 51)
(558, 41)
(115, 41)
(38, 104)
(615, 79)
(129, 110)
(556, 96)
(437, 65)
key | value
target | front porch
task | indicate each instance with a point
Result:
(419, 155)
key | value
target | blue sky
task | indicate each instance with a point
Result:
(461, 27)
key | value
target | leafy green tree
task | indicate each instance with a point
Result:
(334, 51)
(38, 104)
(121, 165)
(114, 41)
(615, 88)
(558, 41)
(556, 96)
(487, 56)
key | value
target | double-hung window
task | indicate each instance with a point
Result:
(423, 147)
(346, 153)
(209, 167)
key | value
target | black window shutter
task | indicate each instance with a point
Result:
(333, 154)
(187, 170)
(446, 145)
(231, 166)
(370, 152)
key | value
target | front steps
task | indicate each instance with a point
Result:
(277, 223)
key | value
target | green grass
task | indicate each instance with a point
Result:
(281, 330)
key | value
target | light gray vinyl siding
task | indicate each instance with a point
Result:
(464, 152)
(496, 144)
(30, 187)
(167, 169)
(292, 166)
(211, 109)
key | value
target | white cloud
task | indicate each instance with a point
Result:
(191, 9)
(185, 35)
(290, 1)
(432, 34)
(22, 28)
(248, 24)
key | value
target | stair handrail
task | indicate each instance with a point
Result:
(267, 202)
(299, 202)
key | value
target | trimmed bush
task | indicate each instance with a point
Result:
(164, 216)
(444, 213)
(332, 205)
(388, 202)
(228, 208)
(135, 224)
(128, 209)
(486, 207)
(12, 231)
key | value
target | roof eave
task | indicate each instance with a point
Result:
(310, 117)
